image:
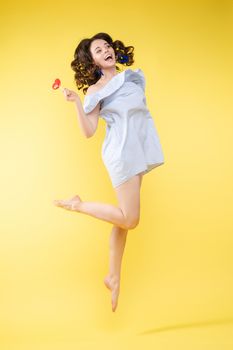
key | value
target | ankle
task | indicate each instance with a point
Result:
(114, 277)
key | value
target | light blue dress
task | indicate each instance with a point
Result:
(131, 144)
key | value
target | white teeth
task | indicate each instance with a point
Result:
(108, 57)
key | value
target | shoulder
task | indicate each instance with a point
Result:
(90, 89)
(93, 88)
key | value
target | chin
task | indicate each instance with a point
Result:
(110, 65)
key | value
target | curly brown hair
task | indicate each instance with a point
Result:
(86, 71)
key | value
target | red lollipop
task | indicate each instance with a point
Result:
(56, 84)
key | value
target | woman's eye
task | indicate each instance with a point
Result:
(100, 50)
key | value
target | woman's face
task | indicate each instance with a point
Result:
(100, 50)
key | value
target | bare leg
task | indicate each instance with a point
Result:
(117, 245)
(112, 280)
(126, 216)
(105, 212)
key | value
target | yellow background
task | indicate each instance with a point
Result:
(177, 285)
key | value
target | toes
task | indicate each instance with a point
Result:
(62, 203)
(56, 202)
(114, 305)
(115, 294)
(68, 203)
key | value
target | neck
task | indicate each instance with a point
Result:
(108, 73)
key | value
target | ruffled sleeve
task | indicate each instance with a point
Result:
(91, 100)
(136, 76)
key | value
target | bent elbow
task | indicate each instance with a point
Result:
(89, 135)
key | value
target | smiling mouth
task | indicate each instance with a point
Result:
(109, 58)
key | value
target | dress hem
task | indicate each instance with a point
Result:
(143, 170)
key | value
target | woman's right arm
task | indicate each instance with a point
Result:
(87, 122)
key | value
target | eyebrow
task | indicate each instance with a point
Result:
(99, 47)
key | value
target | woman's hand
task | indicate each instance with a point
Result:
(70, 95)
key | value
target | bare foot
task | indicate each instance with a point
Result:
(113, 283)
(70, 204)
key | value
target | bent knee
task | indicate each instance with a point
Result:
(132, 223)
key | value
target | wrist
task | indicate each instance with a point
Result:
(77, 99)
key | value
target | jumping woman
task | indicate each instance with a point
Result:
(131, 147)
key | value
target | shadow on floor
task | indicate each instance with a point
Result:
(189, 325)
